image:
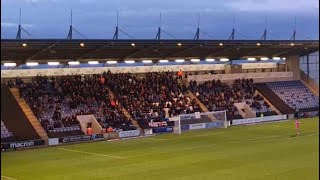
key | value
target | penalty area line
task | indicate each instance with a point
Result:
(6, 177)
(278, 138)
(267, 138)
(185, 137)
(97, 154)
(274, 139)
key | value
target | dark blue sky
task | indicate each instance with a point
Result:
(140, 18)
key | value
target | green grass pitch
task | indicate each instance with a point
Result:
(268, 151)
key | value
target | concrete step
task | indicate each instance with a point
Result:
(24, 105)
(29, 113)
(310, 88)
(37, 126)
(201, 105)
(271, 105)
(125, 112)
(33, 120)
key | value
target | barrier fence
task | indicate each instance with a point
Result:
(137, 133)
(260, 119)
(22, 144)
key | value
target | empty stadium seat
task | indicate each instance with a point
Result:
(295, 94)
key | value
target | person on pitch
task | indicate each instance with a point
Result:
(297, 122)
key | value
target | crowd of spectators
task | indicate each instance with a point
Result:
(151, 97)
(154, 97)
(56, 101)
(218, 96)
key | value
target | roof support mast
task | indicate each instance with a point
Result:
(158, 36)
(264, 36)
(116, 33)
(233, 30)
(197, 36)
(293, 37)
(19, 26)
(118, 29)
(70, 29)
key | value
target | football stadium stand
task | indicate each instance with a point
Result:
(296, 95)
(5, 133)
(218, 96)
(154, 97)
(141, 89)
(57, 101)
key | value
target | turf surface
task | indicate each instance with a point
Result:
(269, 151)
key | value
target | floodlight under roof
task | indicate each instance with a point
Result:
(112, 62)
(147, 61)
(179, 60)
(32, 63)
(73, 62)
(251, 59)
(93, 62)
(163, 61)
(10, 64)
(224, 59)
(195, 60)
(130, 61)
(53, 63)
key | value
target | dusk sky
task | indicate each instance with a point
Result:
(96, 19)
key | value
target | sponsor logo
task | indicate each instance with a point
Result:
(53, 141)
(22, 144)
(123, 134)
(74, 139)
(214, 124)
(97, 136)
(163, 129)
(257, 120)
(197, 126)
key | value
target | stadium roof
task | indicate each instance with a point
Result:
(88, 49)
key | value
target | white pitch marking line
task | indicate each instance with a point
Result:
(160, 139)
(251, 140)
(200, 135)
(266, 140)
(183, 149)
(97, 154)
(6, 177)
(197, 147)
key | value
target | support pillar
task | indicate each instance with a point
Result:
(293, 64)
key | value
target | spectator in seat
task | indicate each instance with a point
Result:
(89, 131)
(110, 129)
(180, 74)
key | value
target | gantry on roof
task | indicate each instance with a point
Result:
(82, 50)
